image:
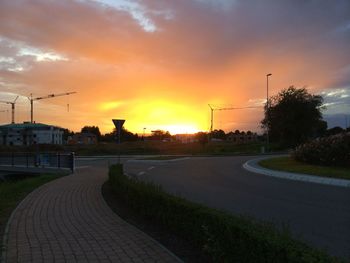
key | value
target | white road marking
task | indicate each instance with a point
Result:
(150, 168)
(141, 173)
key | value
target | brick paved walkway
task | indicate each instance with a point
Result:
(67, 220)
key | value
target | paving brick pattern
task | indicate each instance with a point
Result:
(67, 220)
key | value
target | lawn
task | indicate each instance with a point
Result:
(288, 164)
(12, 192)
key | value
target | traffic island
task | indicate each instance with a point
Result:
(286, 168)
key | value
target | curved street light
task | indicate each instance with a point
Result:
(267, 111)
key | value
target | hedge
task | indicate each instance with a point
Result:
(330, 151)
(224, 237)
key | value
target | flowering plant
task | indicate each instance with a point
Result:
(331, 151)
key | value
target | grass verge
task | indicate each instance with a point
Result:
(179, 246)
(288, 164)
(224, 237)
(14, 191)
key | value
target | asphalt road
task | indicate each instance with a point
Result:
(318, 214)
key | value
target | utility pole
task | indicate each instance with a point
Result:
(211, 117)
(144, 133)
(13, 103)
(31, 99)
(267, 112)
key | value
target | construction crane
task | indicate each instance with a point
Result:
(31, 99)
(13, 103)
(213, 108)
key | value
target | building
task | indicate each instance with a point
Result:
(185, 138)
(241, 137)
(30, 133)
(83, 138)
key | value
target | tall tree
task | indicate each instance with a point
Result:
(294, 116)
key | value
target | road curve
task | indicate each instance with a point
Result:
(319, 214)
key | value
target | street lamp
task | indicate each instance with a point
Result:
(267, 111)
(143, 135)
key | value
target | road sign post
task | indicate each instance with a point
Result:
(118, 125)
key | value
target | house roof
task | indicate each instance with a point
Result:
(27, 125)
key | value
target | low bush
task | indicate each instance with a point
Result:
(224, 237)
(330, 151)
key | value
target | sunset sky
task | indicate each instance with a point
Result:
(158, 64)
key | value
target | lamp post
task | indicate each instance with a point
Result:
(267, 111)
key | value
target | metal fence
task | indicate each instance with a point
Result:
(38, 160)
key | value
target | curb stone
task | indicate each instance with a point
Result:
(253, 166)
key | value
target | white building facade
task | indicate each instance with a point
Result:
(30, 133)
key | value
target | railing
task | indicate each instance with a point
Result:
(38, 160)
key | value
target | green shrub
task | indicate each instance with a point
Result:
(331, 151)
(224, 237)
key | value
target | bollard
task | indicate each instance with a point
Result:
(58, 160)
(72, 162)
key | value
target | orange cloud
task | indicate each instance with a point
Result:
(200, 52)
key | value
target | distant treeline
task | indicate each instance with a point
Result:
(160, 135)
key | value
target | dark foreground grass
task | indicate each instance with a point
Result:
(288, 164)
(162, 158)
(222, 236)
(14, 191)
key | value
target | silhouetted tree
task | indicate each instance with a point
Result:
(159, 135)
(218, 134)
(125, 136)
(293, 117)
(92, 129)
(334, 130)
(321, 128)
(66, 134)
(202, 138)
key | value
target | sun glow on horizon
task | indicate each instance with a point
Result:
(180, 129)
(153, 115)
(152, 64)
